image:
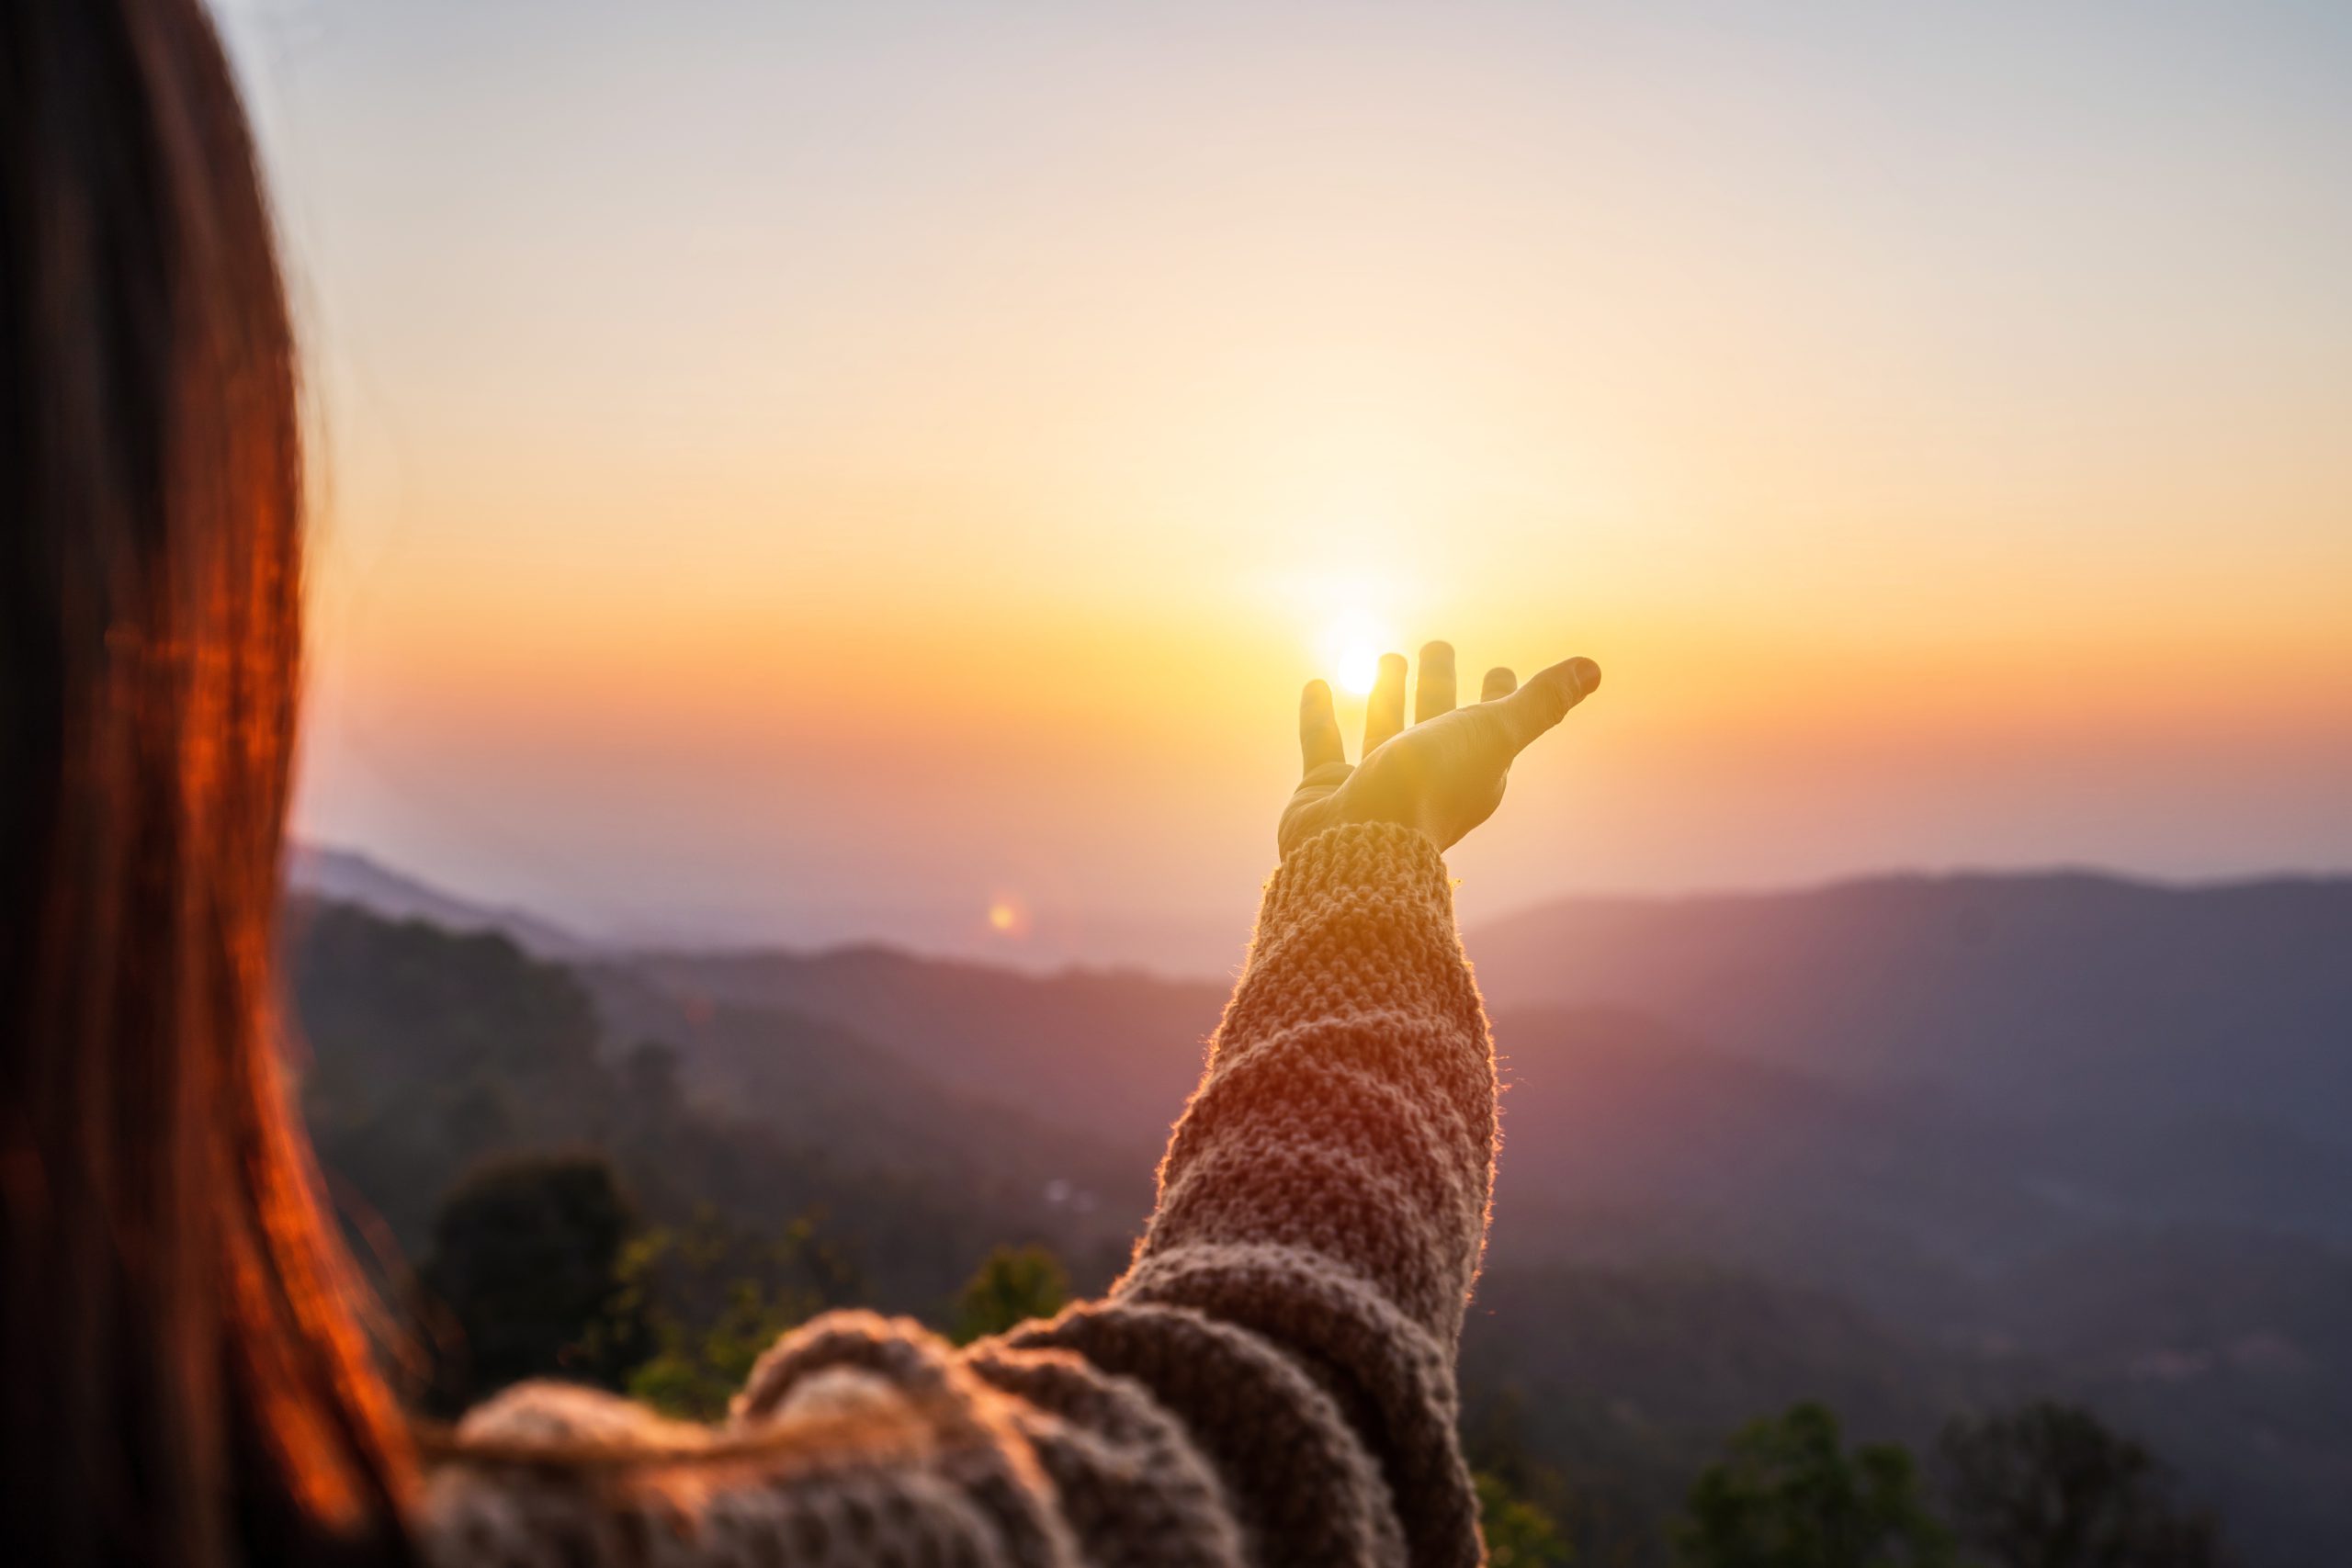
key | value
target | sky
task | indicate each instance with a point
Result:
(801, 473)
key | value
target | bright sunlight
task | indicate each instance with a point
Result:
(1352, 648)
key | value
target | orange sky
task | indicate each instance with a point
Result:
(812, 475)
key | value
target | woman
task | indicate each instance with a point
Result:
(186, 1379)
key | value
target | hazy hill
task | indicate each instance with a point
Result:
(2064, 993)
(427, 1052)
(1113, 1052)
(816, 1084)
(347, 876)
(1625, 1139)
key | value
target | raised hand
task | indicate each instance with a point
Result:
(1444, 773)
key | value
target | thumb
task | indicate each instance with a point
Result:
(1546, 698)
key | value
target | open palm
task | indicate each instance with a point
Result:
(1444, 773)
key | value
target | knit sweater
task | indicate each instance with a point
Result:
(1270, 1382)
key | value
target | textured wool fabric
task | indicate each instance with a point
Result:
(1272, 1382)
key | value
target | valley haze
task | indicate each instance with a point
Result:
(1054, 939)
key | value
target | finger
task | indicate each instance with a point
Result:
(1501, 682)
(1384, 712)
(1433, 693)
(1546, 698)
(1320, 745)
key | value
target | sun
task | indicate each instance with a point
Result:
(1358, 668)
(1351, 645)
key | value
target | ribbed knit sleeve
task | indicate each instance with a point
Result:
(1322, 1207)
(1347, 1118)
(1272, 1382)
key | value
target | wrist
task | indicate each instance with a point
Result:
(1380, 863)
(1411, 838)
(1413, 815)
(1416, 826)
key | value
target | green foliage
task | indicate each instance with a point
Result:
(1789, 1494)
(1519, 1534)
(1013, 1285)
(716, 1299)
(523, 1282)
(2048, 1485)
(697, 1373)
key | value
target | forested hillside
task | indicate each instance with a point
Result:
(1690, 1230)
(432, 1053)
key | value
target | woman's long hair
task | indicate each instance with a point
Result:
(181, 1376)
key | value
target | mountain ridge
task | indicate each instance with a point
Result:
(355, 875)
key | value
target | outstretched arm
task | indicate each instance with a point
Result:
(1296, 1302)
(1323, 1200)
(1273, 1379)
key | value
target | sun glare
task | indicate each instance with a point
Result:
(1351, 651)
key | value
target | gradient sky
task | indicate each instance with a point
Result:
(808, 471)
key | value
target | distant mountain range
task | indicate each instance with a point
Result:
(2023, 995)
(2214, 1020)
(1928, 1139)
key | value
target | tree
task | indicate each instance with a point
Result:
(2048, 1485)
(1520, 1500)
(1519, 1534)
(1789, 1494)
(1013, 1285)
(522, 1280)
(697, 1372)
(717, 1298)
